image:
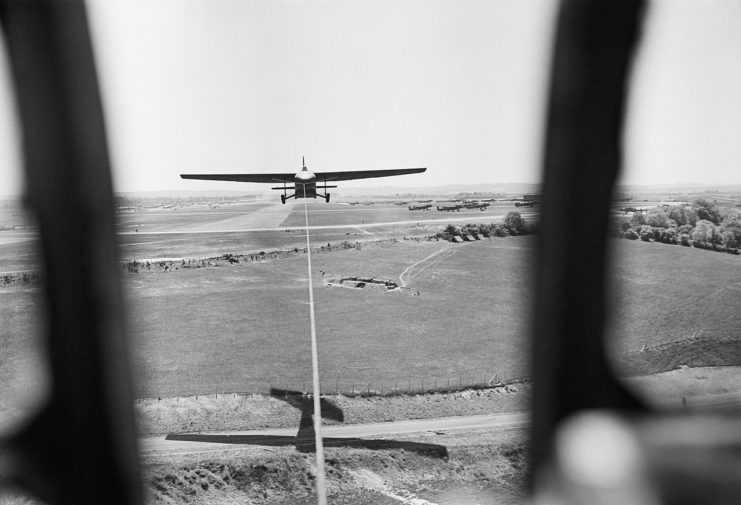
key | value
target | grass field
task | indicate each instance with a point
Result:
(667, 292)
(240, 327)
(244, 327)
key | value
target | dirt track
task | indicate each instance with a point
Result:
(199, 443)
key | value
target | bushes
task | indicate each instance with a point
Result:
(514, 224)
(702, 233)
(630, 234)
(646, 233)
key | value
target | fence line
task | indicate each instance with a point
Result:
(707, 333)
(366, 388)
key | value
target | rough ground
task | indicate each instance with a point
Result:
(482, 467)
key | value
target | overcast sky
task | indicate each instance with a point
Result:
(457, 86)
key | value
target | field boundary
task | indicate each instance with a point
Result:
(706, 333)
(406, 387)
(154, 265)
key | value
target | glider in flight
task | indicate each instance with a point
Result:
(305, 183)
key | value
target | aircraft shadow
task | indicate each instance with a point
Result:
(305, 444)
(304, 439)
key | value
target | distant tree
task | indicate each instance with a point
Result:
(470, 229)
(682, 215)
(623, 224)
(668, 235)
(730, 229)
(706, 211)
(658, 218)
(448, 232)
(729, 240)
(684, 239)
(514, 223)
(703, 232)
(686, 229)
(646, 233)
(630, 234)
(637, 220)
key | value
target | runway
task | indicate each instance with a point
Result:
(442, 220)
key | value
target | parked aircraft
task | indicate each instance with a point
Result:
(450, 208)
(530, 203)
(476, 205)
(420, 207)
(305, 182)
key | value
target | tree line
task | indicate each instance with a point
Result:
(701, 224)
(514, 224)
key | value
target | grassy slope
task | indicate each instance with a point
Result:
(669, 293)
(241, 327)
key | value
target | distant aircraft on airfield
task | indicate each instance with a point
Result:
(450, 208)
(304, 183)
(420, 207)
(476, 205)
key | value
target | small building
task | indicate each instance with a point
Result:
(457, 238)
(468, 238)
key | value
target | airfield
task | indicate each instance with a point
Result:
(216, 298)
(367, 338)
(202, 324)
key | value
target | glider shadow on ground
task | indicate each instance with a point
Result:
(304, 439)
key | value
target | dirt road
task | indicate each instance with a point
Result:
(240, 440)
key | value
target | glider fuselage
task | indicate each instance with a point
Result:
(305, 184)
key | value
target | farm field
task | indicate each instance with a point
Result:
(665, 293)
(243, 327)
(470, 318)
